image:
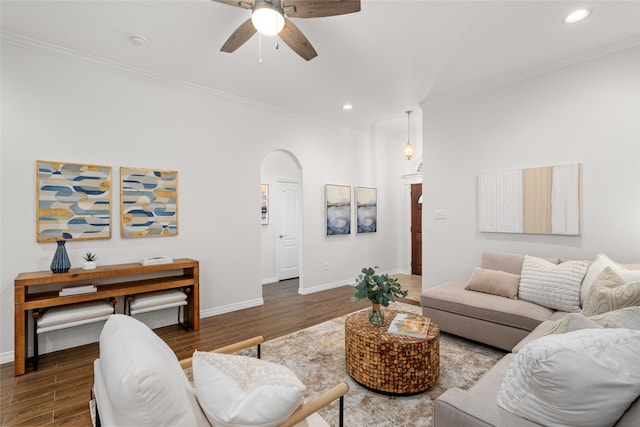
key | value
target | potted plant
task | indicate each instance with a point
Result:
(379, 289)
(90, 261)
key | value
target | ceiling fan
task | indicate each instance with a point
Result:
(271, 17)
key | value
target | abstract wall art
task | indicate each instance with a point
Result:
(73, 201)
(264, 204)
(543, 200)
(338, 209)
(367, 209)
(149, 202)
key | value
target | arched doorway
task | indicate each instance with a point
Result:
(281, 230)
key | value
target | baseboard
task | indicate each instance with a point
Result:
(324, 287)
(231, 307)
(269, 280)
(7, 357)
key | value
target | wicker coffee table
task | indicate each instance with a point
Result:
(390, 363)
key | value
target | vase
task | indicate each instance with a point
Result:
(376, 315)
(60, 262)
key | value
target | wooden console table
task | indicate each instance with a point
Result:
(130, 283)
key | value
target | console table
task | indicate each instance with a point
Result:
(115, 280)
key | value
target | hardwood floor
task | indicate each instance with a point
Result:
(58, 392)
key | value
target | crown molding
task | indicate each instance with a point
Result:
(506, 79)
(46, 48)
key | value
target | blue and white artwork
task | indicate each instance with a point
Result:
(149, 202)
(367, 209)
(73, 201)
(338, 200)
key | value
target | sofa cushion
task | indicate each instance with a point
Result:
(541, 330)
(145, 382)
(551, 285)
(546, 382)
(601, 262)
(494, 282)
(610, 292)
(508, 262)
(238, 390)
(452, 297)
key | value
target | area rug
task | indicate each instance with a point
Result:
(316, 355)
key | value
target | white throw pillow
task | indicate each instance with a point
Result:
(610, 292)
(583, 378)
(628, 317)
(145, 382)
(238, 390)
(556, 286)
(602, 261)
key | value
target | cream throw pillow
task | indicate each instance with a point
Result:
(628, 317)
(610, 292)
(494, 282)
(601, 262)
(584, 378)
(556, 286)
(238, 391)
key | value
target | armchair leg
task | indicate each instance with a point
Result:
(341, 412)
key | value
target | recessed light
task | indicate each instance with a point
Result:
(347, 107)
(138, 40)
(577, 16)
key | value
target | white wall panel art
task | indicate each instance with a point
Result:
(544, 200)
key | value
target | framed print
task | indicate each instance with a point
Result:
(367, 209)
(264, 204)
(338, 209)
(73, 201)
(149, 202)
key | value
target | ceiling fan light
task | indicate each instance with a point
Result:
(267, 20)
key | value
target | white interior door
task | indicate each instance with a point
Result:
(288, 240)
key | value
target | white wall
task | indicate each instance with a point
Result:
(60, 108)
(587, 113)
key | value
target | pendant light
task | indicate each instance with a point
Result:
(409, 148)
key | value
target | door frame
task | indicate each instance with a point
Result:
(411, 178)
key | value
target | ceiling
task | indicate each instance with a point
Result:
(384, 60)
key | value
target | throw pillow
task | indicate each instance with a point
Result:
(628, 317)
(147, 386)
(610, 292)
(583, 378)
(494, 282)
(573, 322)
(238, 390)
(556, 286)
(602, 261)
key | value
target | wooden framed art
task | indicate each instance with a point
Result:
(264, 204)
(148, 202)
(337, 209)
(73, 201)
(366, 209)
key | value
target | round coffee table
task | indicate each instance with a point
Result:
(390, 363)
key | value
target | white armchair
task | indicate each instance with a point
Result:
(139, 381)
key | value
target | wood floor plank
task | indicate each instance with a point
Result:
(58, 393)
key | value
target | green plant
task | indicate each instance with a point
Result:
(89, 257)
(379, 289)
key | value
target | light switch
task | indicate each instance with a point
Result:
(440, 214)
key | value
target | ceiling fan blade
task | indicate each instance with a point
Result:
(239, 37)
(246, 4)
(320, 8)
(294, 38)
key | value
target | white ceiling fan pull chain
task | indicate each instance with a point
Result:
(260, 44)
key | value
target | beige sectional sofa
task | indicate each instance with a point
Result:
(502, 322)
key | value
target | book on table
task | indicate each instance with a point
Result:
(412, 325)
(84, 288)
